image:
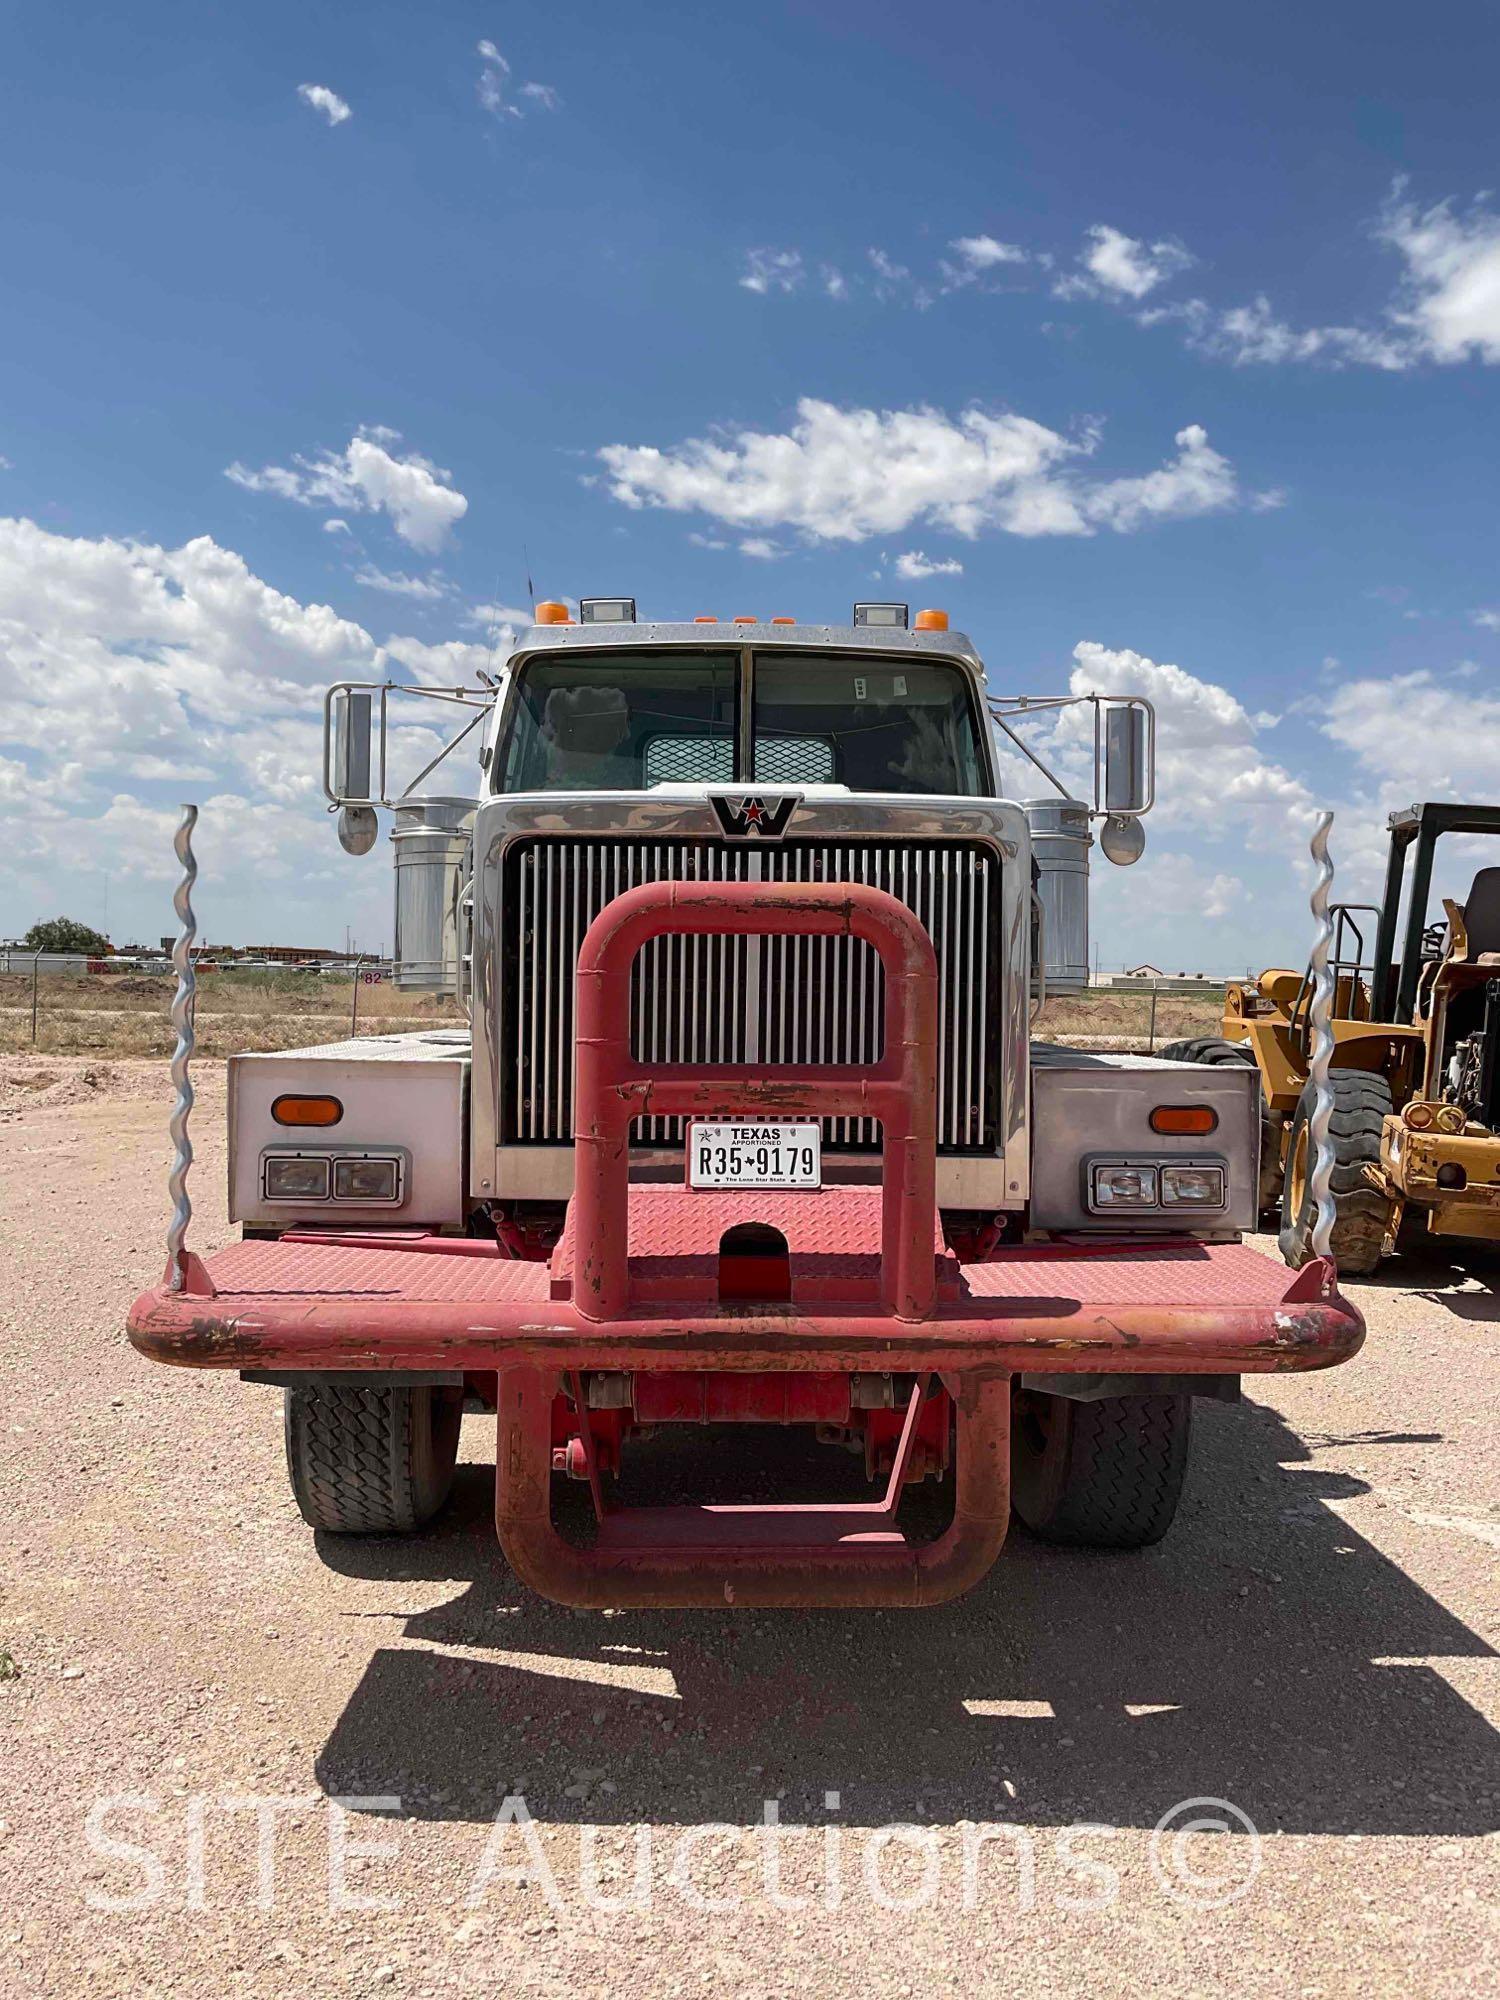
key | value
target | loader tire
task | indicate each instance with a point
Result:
(1100, 1475)
(371, 1461)
(1207, 1049)
(1361, 1105)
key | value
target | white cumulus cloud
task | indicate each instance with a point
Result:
(914, 565)
(1451, 297)
(847, 474)
(396, 583)
(1199, 480)
(326, 102)
(768, 270)
(419, 497)
(493, 87)
(1121, 266)
(984, 253)
(203, 681)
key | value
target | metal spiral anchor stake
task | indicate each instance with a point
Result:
(1320, 1146)
(184, 1001)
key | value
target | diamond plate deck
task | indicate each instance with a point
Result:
(833, 1240)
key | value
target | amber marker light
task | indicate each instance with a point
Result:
(307, 1111)
(1194, 1119)
(931, 621)
(552, 613)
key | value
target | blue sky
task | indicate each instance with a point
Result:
(1178, 331)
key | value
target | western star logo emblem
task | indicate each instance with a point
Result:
(754, 814)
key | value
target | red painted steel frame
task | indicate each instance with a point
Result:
(371, 1300)
(613, 1089)
(787, 1556)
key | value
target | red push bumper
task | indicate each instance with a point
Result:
(637, 1286)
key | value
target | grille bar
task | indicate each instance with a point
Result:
(734, 999)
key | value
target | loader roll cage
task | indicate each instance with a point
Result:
(1395, 982)
(1349, 966)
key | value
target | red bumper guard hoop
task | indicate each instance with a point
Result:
(613, 1089)
(871, 1289)
(776, 1555)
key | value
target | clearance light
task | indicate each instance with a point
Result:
(1193, 1118)
(932, 621)
(746, 619)
(552, 613)
(706, 618)
(307, 1110)
(892, 616)
(606, 610)
(783, 621)
(1418, 1116)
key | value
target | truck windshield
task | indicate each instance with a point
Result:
(623, 723)
(873, 724)
(633, 720)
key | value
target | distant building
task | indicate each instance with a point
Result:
(1144, 972)
(292, 954)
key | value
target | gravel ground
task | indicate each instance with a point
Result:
(1314, 1643)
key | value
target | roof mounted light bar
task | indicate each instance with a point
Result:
(606, 611)
(894, 617)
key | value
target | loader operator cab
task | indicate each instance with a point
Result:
(1481, 914)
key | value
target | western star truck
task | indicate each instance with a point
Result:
(748, 1127)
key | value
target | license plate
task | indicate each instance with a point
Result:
(755, 1156)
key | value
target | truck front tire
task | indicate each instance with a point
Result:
(1106, 1474)
(371, 1461)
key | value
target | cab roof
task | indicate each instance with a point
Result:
(765, 637)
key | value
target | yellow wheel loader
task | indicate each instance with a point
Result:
(1416, 1060)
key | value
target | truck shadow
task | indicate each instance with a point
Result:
(1264, 1653)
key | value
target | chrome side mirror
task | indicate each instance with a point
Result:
(358, 829)
(349, 719)
(1129, 757)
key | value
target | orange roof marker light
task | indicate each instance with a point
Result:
(932, 621)
(707, 618)
(746, 618)
(550, 612)
(783, 621)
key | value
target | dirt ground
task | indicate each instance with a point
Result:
(189, 1684)
(126, 1014)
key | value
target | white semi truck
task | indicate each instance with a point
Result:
(748, 1126)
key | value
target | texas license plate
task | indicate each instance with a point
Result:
(755, 1156)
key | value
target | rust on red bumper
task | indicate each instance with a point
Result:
(635, 1286)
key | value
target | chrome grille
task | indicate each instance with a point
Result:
(747, 1000)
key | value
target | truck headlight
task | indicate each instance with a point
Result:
(1123, 1187)
(1192, 1187)
(367, 1179)
(295, 1177)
